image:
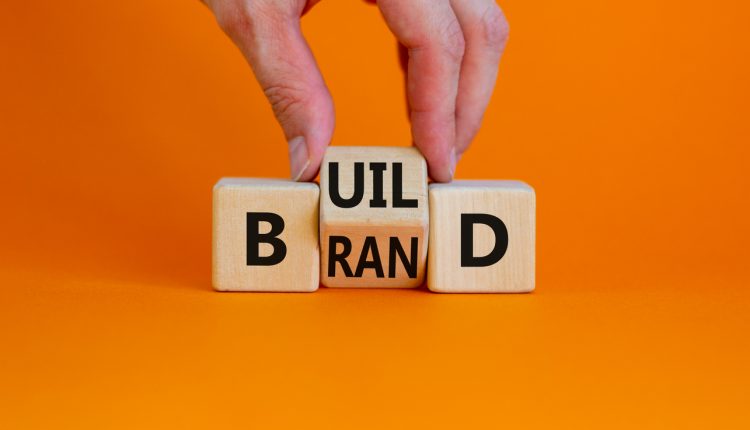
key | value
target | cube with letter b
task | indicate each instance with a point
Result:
(482, 237)
(265, 235)
(374, 217)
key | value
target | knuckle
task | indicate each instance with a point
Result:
(286, 100)
(494, 27)
(452, 40)
(242, 17)
(233, 19)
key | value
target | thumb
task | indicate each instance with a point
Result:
(273, 44)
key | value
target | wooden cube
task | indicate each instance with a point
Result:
(482, 237)
(374, 217)
(265, 235)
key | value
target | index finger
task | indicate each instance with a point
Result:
(434, 41)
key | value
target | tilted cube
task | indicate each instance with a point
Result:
(374, 217)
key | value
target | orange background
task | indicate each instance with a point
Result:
(631, 120)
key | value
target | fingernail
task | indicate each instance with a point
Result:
(454, 161)
(298, 157)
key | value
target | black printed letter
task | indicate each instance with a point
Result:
(398, 189)
(333, 185)
(255, 238)
(409, 265)
(377, 200)
(375, 263)
(467, 240)
(334, 257)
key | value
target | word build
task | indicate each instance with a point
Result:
(369, 224)
(374, 217)
(265, 235)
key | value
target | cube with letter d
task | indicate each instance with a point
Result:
(265, 235)
(482, 237)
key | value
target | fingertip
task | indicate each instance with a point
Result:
(307, 173)
(309, 129)
(443, 174)
(304, 161)
(441, 164)
(299, 159)
(309, 170)
(438, 174)
(320, 133)
(453, 162)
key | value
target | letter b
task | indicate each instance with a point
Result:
(255, 238)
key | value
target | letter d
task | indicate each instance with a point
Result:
(255, 238)
(467, 240)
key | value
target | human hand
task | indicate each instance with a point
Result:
(452, 49)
